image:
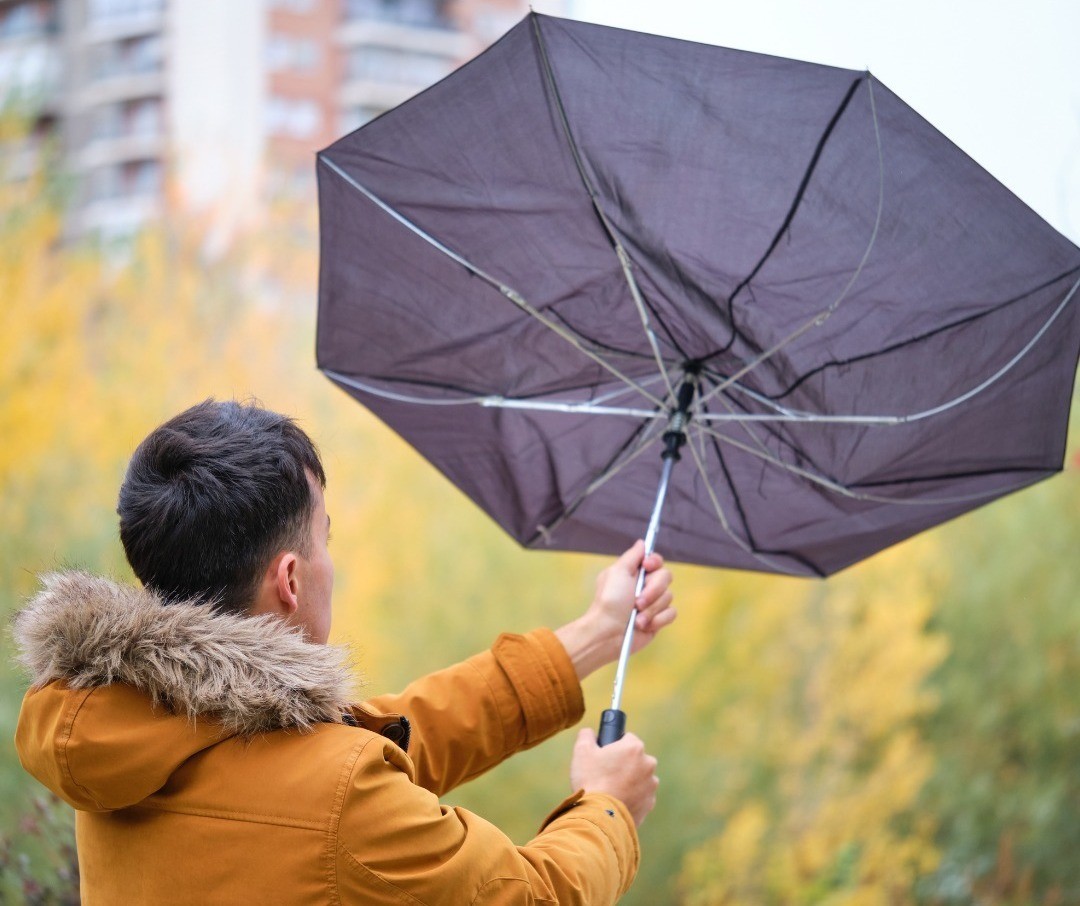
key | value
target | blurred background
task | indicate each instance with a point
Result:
(906, 732)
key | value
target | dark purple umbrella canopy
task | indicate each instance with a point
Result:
(522, 264)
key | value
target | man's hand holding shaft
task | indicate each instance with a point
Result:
(594, 639)
(623, 769)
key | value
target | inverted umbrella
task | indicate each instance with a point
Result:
(590, 252)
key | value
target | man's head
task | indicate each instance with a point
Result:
(217, 500)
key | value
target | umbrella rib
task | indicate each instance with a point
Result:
(590, 407)
(510, 293)
(620, 251)
(644, 436)
(835, 486)
(796, 415)
(971, 473)
(735, 495)
(744, 423)
(501, 402)
(744, 418)
(780, 412)
(974, 391)
(777, 407)
(824, 315)
(745, 546)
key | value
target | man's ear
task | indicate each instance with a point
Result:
(286, 584)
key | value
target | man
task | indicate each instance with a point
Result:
(203, 730)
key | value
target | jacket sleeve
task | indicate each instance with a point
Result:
(395, 843)
(469, 717)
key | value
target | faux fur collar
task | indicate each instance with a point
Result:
(252, 674)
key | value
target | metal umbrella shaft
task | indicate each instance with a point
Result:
(613, 720)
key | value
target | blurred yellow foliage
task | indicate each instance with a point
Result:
(819, 742)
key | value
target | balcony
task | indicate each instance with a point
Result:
(382, 76)
(115, 88)
(115, 20)
(121, 138)
(413, 13)
(426, 37)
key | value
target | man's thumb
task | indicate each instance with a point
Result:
(586, 737)
(631, 559)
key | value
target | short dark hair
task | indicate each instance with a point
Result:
(211, 496)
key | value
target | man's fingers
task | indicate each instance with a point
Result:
(653, 624)
(586, 737)
(657, 605)
(656, 584)
(630, 561)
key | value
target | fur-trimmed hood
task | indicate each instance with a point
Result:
(250, 674)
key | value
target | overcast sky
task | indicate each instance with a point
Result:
(1001, 79)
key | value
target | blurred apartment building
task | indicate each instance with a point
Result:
(219, 102)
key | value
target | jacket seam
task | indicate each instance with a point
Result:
(333, 826)
(403, 893)
(247, 817)
(62, 746)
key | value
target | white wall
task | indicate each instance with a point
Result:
(217, 93)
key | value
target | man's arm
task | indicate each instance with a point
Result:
(395, 843)
(470, 717)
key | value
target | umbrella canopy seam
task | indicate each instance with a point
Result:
(952, 325)
(821, 317)
(833, 485)
(796, 201)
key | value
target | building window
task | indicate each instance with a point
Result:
(132, 119)
(138, 178)
(286, 52)
(298, 118)
(353, 118)
(98, 11)
(408, 12)
(143, 177)
(394, 64)
(33, 19)
(133, 57)
(28, 71)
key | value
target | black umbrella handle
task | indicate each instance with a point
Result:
(612, 726)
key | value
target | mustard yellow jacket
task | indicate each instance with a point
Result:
(217, 759)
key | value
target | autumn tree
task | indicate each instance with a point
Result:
(816, 737)
(1006, 736)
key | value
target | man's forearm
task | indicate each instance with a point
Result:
(588, 648)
